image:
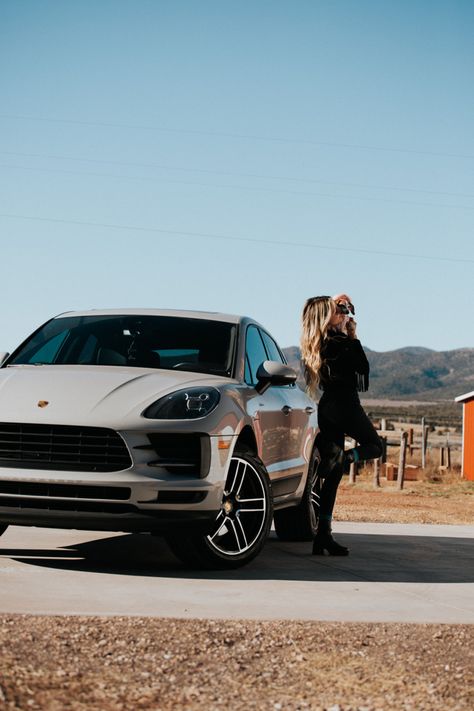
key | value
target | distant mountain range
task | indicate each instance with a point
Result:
(412, 373)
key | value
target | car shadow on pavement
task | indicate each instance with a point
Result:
(373, 558)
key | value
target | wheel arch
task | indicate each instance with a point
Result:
(314, 450)
(247, 440)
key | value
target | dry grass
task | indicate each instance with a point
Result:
(438, 497)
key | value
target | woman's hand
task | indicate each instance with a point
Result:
(351, 327)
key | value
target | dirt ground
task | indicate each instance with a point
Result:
(446, 499)
(122, 664)
(134, 663)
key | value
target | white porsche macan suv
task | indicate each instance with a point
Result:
(178, 423)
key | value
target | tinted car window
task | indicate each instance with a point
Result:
(166, 342)
(273, 353)
(255, 352)
(272, 348)
(47, 352)
(247, 376)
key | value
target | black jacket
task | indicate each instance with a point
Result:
(345, 365)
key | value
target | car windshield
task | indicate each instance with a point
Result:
(167, 342)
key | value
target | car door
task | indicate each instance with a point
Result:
(297, 412)
(270, 426)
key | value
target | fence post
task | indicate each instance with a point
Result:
(402, 460)
(352, 473)
(384, 449)
(383, 424)
(424, 441)
(445, 457)
(353, 468)
(410, 441)
(377, 472)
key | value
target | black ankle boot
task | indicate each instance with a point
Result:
(323, 540)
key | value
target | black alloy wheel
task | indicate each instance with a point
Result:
(299, 523)
(242, 525)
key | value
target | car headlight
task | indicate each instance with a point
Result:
(186, 404)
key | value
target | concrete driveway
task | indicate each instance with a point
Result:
(395, 572)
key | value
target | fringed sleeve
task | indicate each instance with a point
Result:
(362, 382)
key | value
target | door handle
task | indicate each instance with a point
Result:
(286, 409)
(309, 410)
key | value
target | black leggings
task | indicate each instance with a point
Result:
(341, 414)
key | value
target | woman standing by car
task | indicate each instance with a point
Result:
(334, 361)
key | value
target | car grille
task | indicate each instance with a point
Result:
(62, 505)
(62, 447)
(70, 491)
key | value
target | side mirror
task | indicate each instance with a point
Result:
(3, 356)
(271, 372)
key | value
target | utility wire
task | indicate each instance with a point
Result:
(306, 193)
(258, 176)
(235, 238)
(222, 134)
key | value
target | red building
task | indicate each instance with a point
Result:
(467, 435)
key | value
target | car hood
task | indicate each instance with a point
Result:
(79, 394)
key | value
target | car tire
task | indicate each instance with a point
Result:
(242, 525)
(299, 523)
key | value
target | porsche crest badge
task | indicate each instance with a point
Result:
(43, 403)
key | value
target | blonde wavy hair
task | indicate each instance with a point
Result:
(317, 314)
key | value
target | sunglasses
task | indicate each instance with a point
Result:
(345, 308)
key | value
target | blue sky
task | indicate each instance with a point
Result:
(239, 156)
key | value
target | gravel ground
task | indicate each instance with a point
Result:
(112, 664)
(58, 663)
(450, 502)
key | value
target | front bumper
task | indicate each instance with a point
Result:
(144, 497)
(158, 521)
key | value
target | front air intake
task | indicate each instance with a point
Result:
(188, 454)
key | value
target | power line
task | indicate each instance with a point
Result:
(239, 187)
(209, 235)
(259, 176)
(222, 134)
(242, 187)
